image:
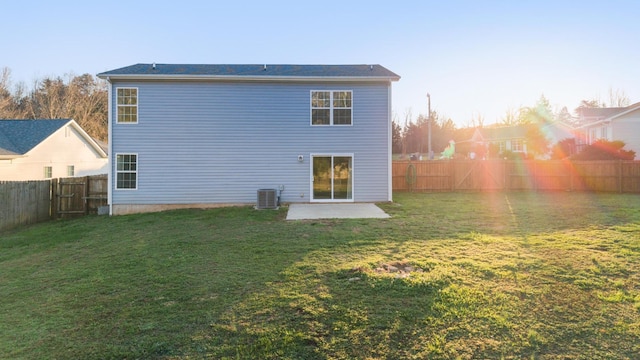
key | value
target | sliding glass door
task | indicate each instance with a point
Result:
(332, 178)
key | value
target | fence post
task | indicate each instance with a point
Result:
(87, 185)
(507, 179)
(620, 176)
(53, 195)
(452, 171)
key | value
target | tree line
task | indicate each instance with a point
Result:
(79, 97)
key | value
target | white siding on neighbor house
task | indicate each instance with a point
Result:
(63, 148)
(627, 129)
(219, 142)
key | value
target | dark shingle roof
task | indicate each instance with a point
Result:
(255, 71)
(503, 132)
(20, 136)
(600, 113)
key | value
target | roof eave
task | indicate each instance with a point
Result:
(109, 77)
(11, 157)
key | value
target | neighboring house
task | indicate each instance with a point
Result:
(514, 138)
(211, 135)
(619, 123)
(503, 138)
(44, 149)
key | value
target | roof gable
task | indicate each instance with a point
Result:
(609, 114)
(20, 136)
(254, 72)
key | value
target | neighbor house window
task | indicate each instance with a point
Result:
(71, 171)
(331, 107)
(516, 145)
(127, 100)
(603, 133)
(126, 171)
(48, 172)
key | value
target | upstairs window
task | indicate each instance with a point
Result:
(48, 172)
(71, 170)
(126, 171)
(331, 107)
(127, 105)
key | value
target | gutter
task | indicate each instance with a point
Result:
(264, 78)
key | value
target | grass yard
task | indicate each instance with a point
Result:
(449, 276)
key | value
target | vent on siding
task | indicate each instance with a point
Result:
(267, 199)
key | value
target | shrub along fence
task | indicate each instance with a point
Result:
(528, 175)
(28, 202)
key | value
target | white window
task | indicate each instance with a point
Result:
(331, 107)
(127, 105)
(48, 171)
(603, 133)
(516, 145)
(127, 171)
(71, 171)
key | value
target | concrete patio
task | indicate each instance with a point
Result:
(335, 211)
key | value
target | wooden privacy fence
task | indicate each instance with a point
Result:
(24, 202)
(493, 175)
(28, 202)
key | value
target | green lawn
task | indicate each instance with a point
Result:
(449, 276)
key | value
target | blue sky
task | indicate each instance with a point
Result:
(475, 58)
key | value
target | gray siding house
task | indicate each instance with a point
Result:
(213, 135)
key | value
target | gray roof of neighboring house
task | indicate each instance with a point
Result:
(253, 71)
(503, 132)
(600, 112)
(18, 137)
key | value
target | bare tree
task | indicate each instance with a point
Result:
(510, 117)
(477, 121)
(82, 98)
(6, 100)
(618, 98)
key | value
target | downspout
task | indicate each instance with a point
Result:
(110, 148)
(390, 146)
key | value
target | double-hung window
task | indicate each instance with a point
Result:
(127, 105)
(517, 145)
(126, 171)
(331, 107)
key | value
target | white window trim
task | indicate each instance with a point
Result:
(353, 178)
(71, 170)
(517, 145)
(137, 106)
(115, 168)
(331, 108)
(49, 167)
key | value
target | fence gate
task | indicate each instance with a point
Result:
(78, 196)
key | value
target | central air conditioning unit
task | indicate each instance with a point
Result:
(267, 199)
